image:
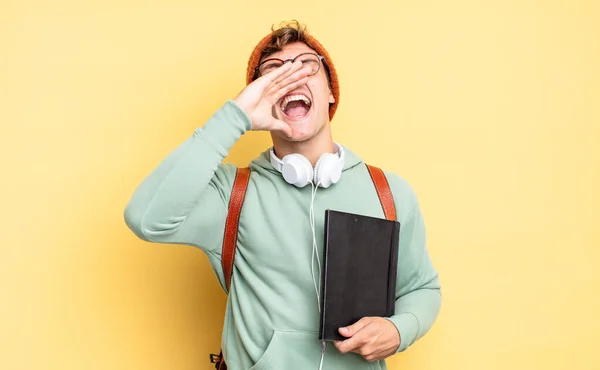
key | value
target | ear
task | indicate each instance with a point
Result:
(331, 98)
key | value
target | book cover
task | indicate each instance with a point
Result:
(359, 270)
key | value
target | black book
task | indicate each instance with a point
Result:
(359, 270)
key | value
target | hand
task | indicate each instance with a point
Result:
(374, 338)
(259, 97)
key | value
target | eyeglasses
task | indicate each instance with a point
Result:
(310, 60)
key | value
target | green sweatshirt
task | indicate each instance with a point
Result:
(272, 317)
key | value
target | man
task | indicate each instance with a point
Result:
(272, 316)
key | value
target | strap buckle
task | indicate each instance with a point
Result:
(215, 359)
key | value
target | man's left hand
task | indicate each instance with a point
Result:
(374, 338)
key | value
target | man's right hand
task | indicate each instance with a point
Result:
(259, 97)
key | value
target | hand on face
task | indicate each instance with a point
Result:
(374, 338)
(259, 97)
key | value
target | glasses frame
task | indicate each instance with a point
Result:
(320, 57)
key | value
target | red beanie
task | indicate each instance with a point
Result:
(313, 44)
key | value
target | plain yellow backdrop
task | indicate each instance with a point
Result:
(490, 109)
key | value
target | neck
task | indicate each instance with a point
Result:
(311, 149)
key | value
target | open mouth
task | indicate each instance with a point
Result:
(295, 106)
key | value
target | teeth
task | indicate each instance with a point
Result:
(291, 98)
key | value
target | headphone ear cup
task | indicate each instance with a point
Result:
(328, 170)
(296, 170)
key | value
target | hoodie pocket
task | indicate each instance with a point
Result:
(293, 350)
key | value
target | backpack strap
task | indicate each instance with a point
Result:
(238, 193)
(383, 192)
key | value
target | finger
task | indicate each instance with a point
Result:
(284, 82)
(297, 70)
(349, 345)
(355, 343)
(351, 330)
(295, 66)
(359, 338)
(278, 94)
(342, 345)
(284, 70)
(338, 344)
(279, 74)
(376, 354)
(297, 75)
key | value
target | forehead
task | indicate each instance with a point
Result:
(291, 50)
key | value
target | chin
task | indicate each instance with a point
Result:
(303, 131)
(297, 136)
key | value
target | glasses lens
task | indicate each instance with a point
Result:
(310, 61)
(269, 66)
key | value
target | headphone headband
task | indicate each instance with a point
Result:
(278, 163)
(297, 170)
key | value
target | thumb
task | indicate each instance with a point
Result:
(349, 331)
(283, 127)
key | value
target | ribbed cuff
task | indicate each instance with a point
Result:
(408, 327)
(226, 126)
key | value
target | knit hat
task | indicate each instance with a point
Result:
(313, 44)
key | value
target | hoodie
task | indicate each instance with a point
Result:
(272, 318)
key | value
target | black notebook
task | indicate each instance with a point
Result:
(359, 270)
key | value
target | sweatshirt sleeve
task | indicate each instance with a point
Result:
(184, 199)
(418, 291)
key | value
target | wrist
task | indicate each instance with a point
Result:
(407, 326)
(241, 105)
(243, 112)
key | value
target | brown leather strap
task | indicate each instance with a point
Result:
(219, 361)
(221, 365)
(383, 192)
(238, 193)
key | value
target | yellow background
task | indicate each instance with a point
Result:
(489, 109)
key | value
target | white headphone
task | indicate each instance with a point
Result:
(298, 171)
